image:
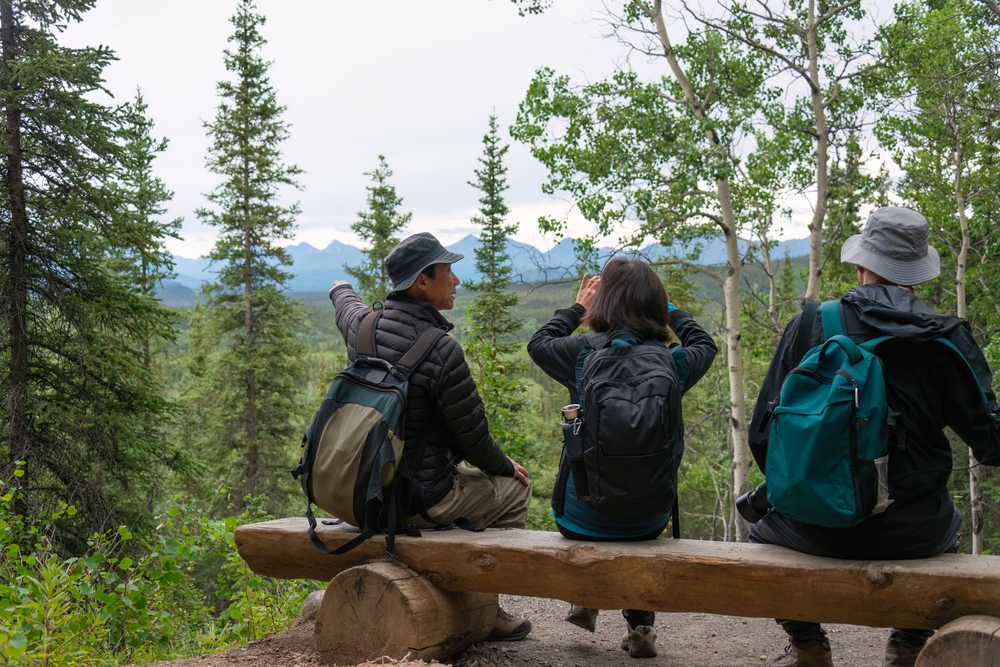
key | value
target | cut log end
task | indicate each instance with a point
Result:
(386, 609)
(970, 641)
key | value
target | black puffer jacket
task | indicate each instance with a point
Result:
(442, 397)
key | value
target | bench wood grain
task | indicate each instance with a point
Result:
(750, 580)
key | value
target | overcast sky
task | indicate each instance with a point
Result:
(414, 81)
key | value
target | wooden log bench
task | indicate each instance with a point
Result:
(441, 596)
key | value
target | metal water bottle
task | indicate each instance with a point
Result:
(572, 428)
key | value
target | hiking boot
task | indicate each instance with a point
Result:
(509, 628)
(582, 617)
(900, 655)
(803, 654)
(640, 642)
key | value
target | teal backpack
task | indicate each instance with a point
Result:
(828, 450)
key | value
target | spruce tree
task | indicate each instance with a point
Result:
(146, 262)
(489, 321)
(78, 405)
(253, 375)
(378, 227)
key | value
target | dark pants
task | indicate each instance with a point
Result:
(776, 529)
(634, 617)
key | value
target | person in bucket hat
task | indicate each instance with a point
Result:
(926, 382)
(445, 420)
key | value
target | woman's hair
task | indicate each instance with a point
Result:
(630, 297)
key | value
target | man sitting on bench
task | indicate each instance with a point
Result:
(445, 419)
(928, 384)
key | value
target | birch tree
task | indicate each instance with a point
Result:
(661, 157)
(811, 51)
(940, 135)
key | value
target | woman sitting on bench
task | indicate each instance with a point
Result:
(628, 375)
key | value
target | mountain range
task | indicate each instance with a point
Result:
(316, 269)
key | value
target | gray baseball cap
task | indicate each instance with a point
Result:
(894, 244)
(414, 254)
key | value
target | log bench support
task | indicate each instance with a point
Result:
(386, 609)
(391, 609)
(971, 641)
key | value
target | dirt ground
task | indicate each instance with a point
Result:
(684, 640)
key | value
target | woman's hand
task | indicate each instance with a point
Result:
(588, 288)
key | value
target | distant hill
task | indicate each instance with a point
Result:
(315, 270)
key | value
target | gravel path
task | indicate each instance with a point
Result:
(685, 640)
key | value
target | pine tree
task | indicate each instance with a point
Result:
(78, 405)
(252, 378)
(490, 316)
(378, 227)
(146, 262)
(489, 321)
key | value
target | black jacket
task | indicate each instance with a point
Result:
(555, 349)
(932, 388)
(442, 401)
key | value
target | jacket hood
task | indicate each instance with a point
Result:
(895, 312)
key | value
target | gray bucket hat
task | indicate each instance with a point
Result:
(894, 245)
(414, 254)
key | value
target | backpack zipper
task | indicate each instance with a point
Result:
(855, 467)
(822, 379)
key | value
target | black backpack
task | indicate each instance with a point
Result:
(633, 430)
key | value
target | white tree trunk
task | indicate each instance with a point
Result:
(822, 148)
(737, 394)
(975, 491)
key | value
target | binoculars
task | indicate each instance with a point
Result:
(753, 505)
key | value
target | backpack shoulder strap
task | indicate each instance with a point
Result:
(804, 333)
(832, 318)
(418, 350)
(364, 343)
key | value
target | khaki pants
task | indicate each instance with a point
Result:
(485, 500)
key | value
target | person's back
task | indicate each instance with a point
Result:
(927, 382)
(931, 388)
(444, 413)
(445, 422)
(628, 310)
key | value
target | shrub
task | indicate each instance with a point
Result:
(131, 599)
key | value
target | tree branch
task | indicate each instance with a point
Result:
(697, 267)
(836, 10)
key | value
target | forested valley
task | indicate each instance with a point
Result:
(135, 438)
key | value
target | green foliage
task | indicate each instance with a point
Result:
(79, 404)
(248, 386)
(378, 227)
(131, 598)
(630, 151)
(943, 131)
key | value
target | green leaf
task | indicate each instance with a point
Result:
(18, 640)
(124, 533)
(19, 473)
(125, 564)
